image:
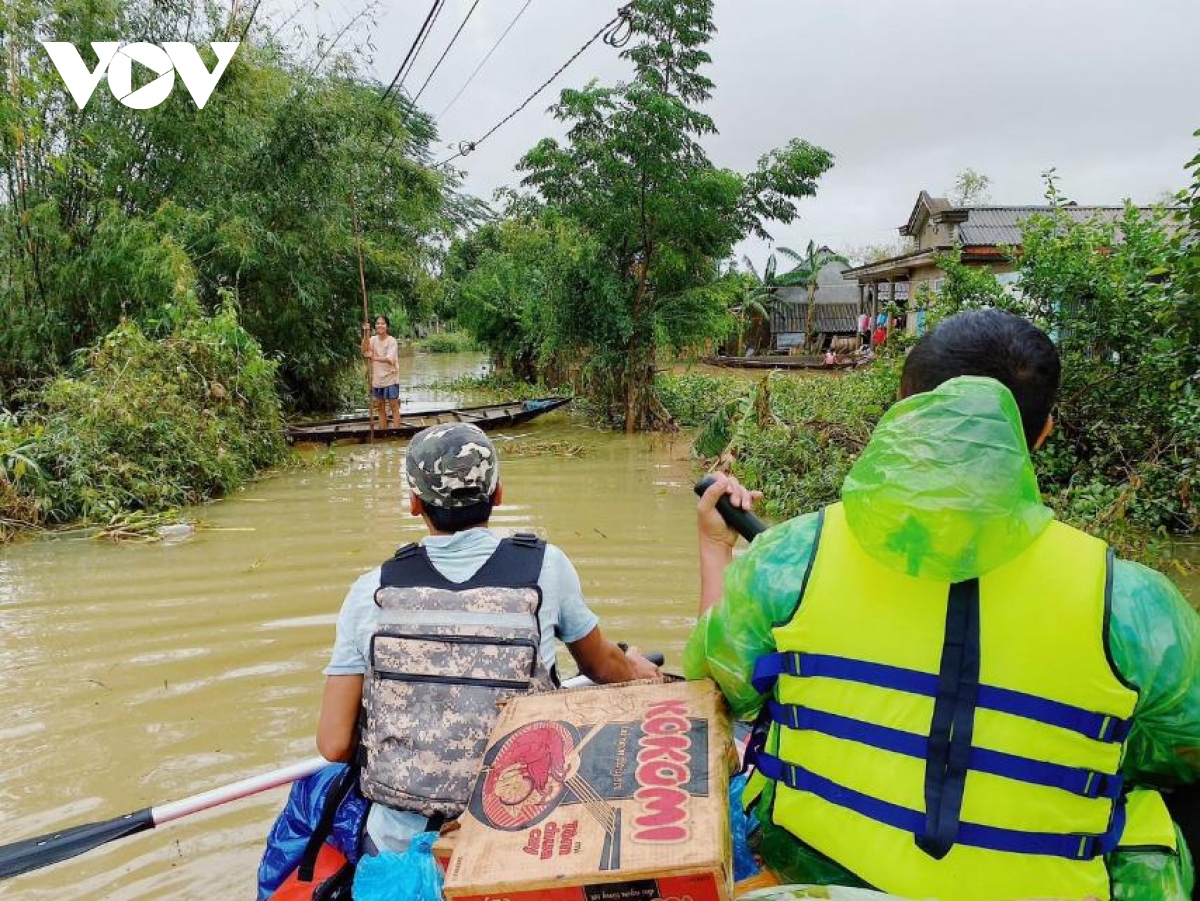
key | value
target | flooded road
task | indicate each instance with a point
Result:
(138, 674)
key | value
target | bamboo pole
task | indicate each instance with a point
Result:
(362, 281)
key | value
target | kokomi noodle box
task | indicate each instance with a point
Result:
(613, 793)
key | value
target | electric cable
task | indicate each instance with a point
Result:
(471, 77)
(421, 46)
(412, 50)
(616, 33)
(438, 64)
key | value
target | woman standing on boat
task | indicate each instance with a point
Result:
(383, 352)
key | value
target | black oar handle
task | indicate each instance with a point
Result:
(742, 521)
(655, 657)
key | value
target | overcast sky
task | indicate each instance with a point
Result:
(904, 94)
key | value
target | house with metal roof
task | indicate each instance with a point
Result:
(836, 314)
(986, 235)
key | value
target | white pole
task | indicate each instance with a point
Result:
(173, 810)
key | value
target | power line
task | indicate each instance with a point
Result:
(421, 46)
(610, 33)
(412, 51)
(438, 64)
(471, 78)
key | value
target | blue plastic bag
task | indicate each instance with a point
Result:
(741, 825)
(412, 876)
(299, 818)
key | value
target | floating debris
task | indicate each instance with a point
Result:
(514, 448)
(146, 528)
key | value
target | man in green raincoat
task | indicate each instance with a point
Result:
(957, 697)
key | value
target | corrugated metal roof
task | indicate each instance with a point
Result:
(791, 316)
(991, 226)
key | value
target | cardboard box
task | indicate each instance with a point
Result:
(611, 793)
(443, 849)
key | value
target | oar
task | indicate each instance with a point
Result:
(34, 853)
(742, 521)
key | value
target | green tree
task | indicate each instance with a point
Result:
(1116, 295)
(752, 296)
(807, 273)
(1179, 313)
(633, 175)
(970, 189)
(108, 212)
(511, 284)
(966, 287)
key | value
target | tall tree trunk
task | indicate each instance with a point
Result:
(641, 351)
(811, 321)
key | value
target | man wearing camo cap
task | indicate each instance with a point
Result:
(453, 478)
(452, 466)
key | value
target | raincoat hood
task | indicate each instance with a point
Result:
(945, 488)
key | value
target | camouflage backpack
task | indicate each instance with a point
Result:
(443, 655)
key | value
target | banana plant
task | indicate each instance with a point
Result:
(806, 274)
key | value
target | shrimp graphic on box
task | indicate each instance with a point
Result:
(528, 774)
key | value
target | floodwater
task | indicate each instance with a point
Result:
(138, 674)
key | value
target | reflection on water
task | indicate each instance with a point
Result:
(134, 675)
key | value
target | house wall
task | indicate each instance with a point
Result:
(935, 235)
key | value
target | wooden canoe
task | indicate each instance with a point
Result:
(486, 416)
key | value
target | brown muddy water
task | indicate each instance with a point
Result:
(131, 675)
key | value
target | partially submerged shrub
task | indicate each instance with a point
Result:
(794, 438)
(447, 343)
(144, 424)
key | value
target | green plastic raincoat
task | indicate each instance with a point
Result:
(946, 489)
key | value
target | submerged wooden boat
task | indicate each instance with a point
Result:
(486, 416)
(780, 362)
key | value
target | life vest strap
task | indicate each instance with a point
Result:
(1076, 780)
(1097, 726)
(991, 838)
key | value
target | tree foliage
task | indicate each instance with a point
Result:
(143, 424)
(647, 214)
(108, 212)
(970, 189)
(1116, 295)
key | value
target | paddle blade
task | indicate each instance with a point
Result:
(35, 853)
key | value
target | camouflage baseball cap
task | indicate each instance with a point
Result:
(452, 465)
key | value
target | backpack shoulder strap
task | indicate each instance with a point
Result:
(516, 563)
(410, 567)
(334, 796)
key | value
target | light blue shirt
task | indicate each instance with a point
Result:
(564, 615)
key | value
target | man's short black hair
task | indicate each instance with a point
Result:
(990, 343)
(459, 519)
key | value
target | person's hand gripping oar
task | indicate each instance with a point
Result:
(733, 502)
(722, 514)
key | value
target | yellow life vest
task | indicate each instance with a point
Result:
(955, 741)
